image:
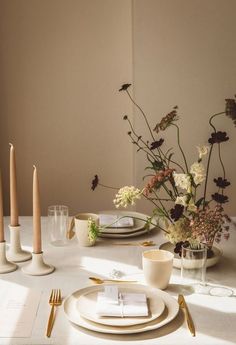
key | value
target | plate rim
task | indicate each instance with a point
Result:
(92, 326)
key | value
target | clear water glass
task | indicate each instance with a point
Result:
(193, 266)
(58, 224)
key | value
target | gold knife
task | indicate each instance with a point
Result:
(183, 305)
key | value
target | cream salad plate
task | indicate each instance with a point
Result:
(77, 312)
(138, 227)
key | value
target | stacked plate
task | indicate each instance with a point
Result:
(80, 309)
(137, 229)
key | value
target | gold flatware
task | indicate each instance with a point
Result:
(101, 281)
(54, 300)
(184, 307)
(142, 244)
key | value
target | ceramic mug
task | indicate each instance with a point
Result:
(81, 228)
(157, 267)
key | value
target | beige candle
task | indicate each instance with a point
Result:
(1, 212)
(37, 246)
(13, 189)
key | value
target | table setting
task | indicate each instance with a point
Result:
(107, 275)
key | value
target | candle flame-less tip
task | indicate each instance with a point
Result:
(11, 145)
(34, 166)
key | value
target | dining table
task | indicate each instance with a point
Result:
(214, 316)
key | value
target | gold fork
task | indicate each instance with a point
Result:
(54, 300)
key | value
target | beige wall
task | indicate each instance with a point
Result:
(61, 65)
(185, 55)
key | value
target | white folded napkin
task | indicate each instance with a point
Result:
(126, 305)
(114, 222)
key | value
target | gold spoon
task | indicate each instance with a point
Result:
(101, 281)
(142, 244)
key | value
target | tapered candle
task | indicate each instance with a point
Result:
(13, 189)
(37, 245)
(1, 212)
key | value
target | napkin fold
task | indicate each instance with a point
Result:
(114, 222)
(127, 305)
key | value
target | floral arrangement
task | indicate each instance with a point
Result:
(192, 219)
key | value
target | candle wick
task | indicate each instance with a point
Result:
(34, 166)
(11, 144)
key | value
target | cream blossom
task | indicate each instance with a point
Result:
(198, 172)
(202, 150)
(191, 206)
(182, 200)
(179, 231)
(183, 181)
(127, 196)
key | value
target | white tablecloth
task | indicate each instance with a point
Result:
(214, 317)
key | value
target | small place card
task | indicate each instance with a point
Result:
(111, 294)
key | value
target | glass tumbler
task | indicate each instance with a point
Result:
(57, 224)
(193, 266)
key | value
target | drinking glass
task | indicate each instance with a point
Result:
(58, 224)
(193, 266)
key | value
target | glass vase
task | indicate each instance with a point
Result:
(193, 266)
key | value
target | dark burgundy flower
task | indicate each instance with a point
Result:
(167, 120)
(95, 182)
(218, 137)
(230, 109)
(124, 87)
(221, 182)
(220, 198)
(176, 212)
(156, 144)
(178, 247)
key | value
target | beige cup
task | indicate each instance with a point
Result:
(81, 228)
(157, 267)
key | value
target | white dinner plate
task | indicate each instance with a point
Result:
(170, 312)
(136, 230)
(86, 306)
(177, 259)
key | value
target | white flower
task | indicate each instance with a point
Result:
(191, 206)
(178, 231)
(202, 150)
(182, 200)
(127, 196)
(183, 181)
(198, 172)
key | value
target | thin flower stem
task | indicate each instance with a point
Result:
(209, 157)
(163, 207)
(158, 207)
(170, 160)
(167, 191)
(162, 199)
(178, 139)
(144, 115)
(138, 137)
(207, 173)
(221, 162)
(212, 117)
(103, 185)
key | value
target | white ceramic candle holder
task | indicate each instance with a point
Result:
(5, 265)
(15, 253)
(37, 266)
